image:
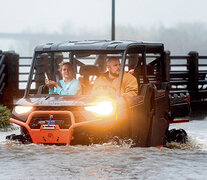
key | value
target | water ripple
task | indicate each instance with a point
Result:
(106, 161)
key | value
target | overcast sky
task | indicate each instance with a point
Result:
(89, 19)
(51, 16)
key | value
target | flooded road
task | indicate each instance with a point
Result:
(107, 161)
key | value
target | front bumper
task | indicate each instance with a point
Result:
(52, 134)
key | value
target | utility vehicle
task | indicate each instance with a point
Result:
(87, 118)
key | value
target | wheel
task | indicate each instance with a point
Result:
(177, 135)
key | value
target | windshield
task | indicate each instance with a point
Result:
(84, 66)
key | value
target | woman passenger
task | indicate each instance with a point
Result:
(68, 85)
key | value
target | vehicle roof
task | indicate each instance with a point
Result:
(100, 45)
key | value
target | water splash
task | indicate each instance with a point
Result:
(192, 144)
(5, 132)
(114, 159)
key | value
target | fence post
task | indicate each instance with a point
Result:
(166, 66)
(192, 61)
(12, 78)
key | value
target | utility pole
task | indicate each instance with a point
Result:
(113, 21)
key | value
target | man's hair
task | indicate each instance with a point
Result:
(110, 59)
(64, 63)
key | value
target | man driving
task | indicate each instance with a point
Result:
(109, 80)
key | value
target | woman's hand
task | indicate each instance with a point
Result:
(50, 83)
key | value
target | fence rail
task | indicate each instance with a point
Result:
(189, 76)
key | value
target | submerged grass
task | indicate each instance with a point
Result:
(5, 115)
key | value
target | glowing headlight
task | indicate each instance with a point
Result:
(22, 109)
(102, 108)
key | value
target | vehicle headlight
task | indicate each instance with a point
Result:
(102, 108)
(22, 109)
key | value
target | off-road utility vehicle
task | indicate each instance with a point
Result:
(88, 118)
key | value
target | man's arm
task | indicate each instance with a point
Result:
(130, 85)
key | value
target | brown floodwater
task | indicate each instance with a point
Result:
(107, 161)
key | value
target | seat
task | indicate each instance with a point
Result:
(88, 74)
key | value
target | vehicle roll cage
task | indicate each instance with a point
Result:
(102, 47)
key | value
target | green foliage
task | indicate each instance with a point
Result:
(5, 115)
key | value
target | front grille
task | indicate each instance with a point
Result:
(62, 120)
(56, 108)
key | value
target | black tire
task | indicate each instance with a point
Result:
(177, 135)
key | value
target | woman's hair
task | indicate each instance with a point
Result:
(64, 63)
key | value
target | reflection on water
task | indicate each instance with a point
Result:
(107, 161)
